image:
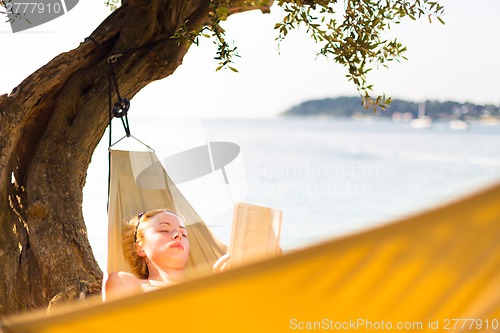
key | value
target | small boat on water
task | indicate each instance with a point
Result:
(422, 121)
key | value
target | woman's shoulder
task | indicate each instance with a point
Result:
(122, 277)
(120, 284)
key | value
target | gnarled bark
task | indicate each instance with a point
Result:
(49, 127)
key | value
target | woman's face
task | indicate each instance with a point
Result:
(165, 241)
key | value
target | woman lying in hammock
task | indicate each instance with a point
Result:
(157, 247)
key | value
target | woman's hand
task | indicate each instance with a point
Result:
(222, 263)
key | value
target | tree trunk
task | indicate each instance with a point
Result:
(49, 127)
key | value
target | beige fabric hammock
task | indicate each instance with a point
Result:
(139, 183)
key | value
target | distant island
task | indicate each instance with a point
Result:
(350, 107)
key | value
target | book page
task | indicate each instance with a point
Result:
(255, 233)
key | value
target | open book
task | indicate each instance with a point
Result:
(255, 233)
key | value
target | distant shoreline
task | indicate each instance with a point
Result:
(398, 110)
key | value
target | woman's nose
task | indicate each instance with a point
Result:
(177, 235)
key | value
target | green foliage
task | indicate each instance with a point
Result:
(112, 4)
(219, 11)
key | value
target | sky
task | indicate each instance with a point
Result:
(457, 61)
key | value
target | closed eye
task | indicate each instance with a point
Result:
(182, 232)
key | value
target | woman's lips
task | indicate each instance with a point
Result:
(177, 245)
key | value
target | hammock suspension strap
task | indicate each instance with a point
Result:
(121, 106)
(118, 109)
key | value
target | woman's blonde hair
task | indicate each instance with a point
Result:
(133, 238)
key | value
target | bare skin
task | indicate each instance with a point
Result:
(166, 251)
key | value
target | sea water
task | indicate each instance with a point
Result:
(330, 177)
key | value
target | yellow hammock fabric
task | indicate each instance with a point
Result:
(139, 183)
(435, 272)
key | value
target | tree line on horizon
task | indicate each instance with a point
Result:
(351, 106)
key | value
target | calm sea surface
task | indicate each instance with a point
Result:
(330, 177)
